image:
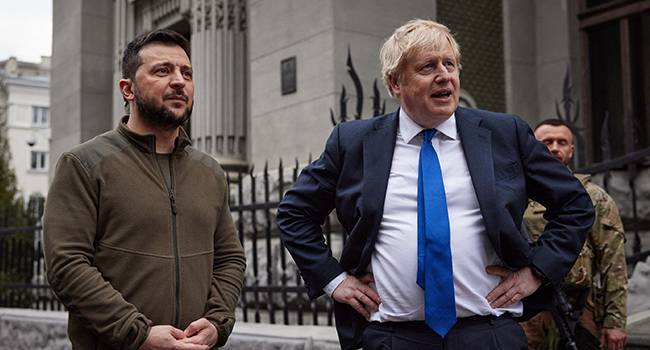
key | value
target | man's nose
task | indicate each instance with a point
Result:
(177, 80)
(442, 74)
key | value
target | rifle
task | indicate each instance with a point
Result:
(562, 315)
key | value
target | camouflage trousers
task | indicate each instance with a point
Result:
(538, 327)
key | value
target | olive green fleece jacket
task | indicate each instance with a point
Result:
(124, 252)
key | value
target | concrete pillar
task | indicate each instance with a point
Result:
(520, 56)
(82, 73)
(556, 50)
(538, 51)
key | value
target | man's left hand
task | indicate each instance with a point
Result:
(201, 332)
(614, 338)
(514, 286)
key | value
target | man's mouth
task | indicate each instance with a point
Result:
(176, 95)
(442, 94)
(179, 98)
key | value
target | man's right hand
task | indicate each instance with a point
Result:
(356, 292)
(168, 337)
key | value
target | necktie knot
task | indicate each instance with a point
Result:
(428, 134)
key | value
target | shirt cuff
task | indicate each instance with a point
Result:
(330, 287)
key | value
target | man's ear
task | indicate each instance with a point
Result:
(126, 88)
(394, 84)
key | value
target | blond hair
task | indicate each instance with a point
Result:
(413, 37)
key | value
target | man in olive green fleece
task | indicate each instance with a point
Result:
(139, 241)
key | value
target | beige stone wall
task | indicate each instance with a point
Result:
(318, 33)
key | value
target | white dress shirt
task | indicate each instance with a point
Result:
(394, 262)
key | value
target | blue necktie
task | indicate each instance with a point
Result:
(434, 251)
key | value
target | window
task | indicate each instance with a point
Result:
(39, 161)
(41, 116)
(615, 45)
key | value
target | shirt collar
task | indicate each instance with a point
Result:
(410, 129)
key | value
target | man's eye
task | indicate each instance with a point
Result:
(161, 70)
(427, 67)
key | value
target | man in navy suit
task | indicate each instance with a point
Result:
(490, 164)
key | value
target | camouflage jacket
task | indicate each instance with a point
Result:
(601, 264)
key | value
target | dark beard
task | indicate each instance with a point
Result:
(159, 117)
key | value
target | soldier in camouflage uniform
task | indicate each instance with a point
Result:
(600, 266)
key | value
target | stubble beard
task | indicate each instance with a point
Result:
(162, 117)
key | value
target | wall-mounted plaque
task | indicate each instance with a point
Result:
(288, 71)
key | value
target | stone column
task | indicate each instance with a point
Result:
(124, 33)
(219, 57)
(82, 73)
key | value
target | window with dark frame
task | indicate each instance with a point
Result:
(38, 161)
(615, 46)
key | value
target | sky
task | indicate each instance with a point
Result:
(25, 29)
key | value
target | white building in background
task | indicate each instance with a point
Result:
(25, 108)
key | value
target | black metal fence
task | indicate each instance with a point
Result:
(22, 268)
(273, 289)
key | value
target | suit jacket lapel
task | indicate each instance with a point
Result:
(378, 148)
(477, 145)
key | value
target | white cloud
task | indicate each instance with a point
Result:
(25, 29)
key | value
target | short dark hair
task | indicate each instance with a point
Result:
(553, 122)
(131, 59)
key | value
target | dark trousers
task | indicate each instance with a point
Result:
(471, 333)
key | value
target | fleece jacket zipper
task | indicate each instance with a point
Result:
(172, 201)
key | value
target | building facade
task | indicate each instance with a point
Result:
(25, 109)
(274, 76)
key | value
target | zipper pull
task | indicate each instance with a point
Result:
(173, 200)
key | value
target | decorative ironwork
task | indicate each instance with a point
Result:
(165, 9)
(231, 13)
(242, 16)
(357, 85)
(199, 18)
(343, 106)
(208, 16)
(571, 118)
(219, 14)
(343, 116)
(376, 100)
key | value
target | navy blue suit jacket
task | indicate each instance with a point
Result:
(507, 165)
